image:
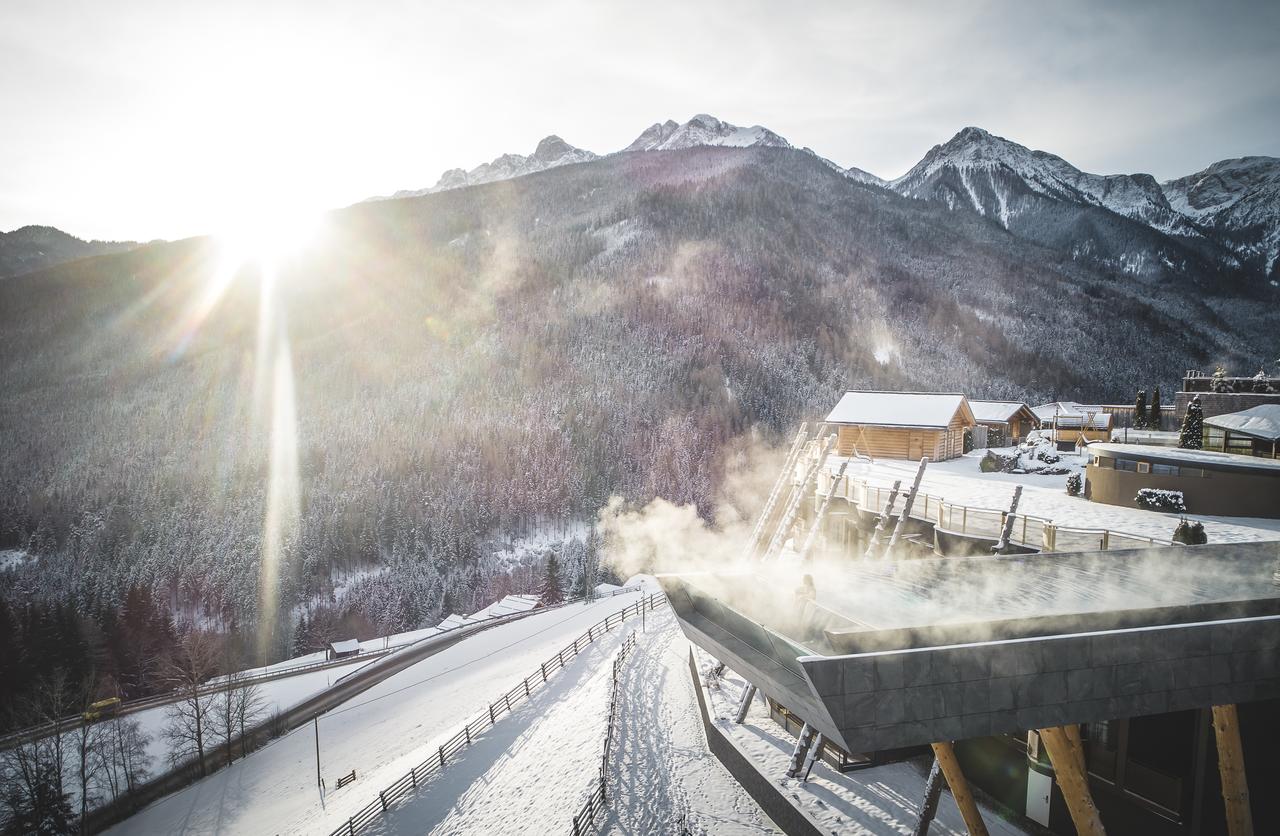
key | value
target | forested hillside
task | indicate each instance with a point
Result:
(493, 362)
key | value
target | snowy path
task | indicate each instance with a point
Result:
(960, 481)
(381, 734)
(664, 779)
(877, 800)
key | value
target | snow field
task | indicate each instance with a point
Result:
(381, 734)
(877, 800)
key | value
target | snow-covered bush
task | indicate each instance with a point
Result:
(1038, 455)
(1074, 484)
(1158, 499)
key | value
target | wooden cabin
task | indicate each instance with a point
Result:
(901, 425)
(1013, 419)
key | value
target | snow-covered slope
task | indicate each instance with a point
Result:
(1240, 201)
(704, 130)
(550, 153)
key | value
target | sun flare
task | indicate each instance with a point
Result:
(269, 239)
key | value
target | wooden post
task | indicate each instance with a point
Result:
(1235, 786)
(874, 545)
(929, 807)
(959, 788)
(1006, 531)
(906, 508)
(745, 703)
(1073, 782)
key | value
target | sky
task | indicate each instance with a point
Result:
(145, 120)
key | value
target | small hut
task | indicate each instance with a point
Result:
(902, 425)
(343, 649)
(1011, 419)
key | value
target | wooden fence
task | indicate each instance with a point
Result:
(595, 802)
(437, 761)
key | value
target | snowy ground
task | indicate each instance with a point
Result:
(380, 733)
(663, 778)
(960, 481)
(876, 800)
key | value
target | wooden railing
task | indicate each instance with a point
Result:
(595, 803)
(438, 760)
(1030, 531)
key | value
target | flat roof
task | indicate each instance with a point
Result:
(1209, 459)
(932, 410)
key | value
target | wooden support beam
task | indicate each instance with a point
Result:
(744, 704)
(1235, 786)
(929, 808)
(959, 788)
(1073, 781)
(1077, 746)
(905, 518)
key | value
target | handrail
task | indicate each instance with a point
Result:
(1032, 531)
(451, 747)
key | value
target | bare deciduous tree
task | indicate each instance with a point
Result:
(189, 727)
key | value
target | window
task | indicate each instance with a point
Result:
(1126, 464)
(1144, 467)
(1164, 469)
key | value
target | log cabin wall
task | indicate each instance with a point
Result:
(901, 442)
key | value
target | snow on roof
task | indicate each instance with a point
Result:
(995, 410)
(896, 409)
(507, 606)
(1178, 455)
(453, 621)
(1047, 411)
(1259, 421)
(1093, 420)
(345, 646)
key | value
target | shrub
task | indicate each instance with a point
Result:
(1190, 533)
(1074, 484)
(1158, 499)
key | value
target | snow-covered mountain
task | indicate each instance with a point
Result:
(704, 130)
(551, 152)
(1239, 200)
(1041, 196)
(996, 177)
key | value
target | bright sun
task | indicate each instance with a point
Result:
(269, 238)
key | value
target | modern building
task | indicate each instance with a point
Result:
(1011, 420)
(1250, 432)
(1223, 395)
(901, 425)
(1221, 484)
(1068, 687)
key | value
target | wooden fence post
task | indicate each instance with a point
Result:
(413, 773)
(491, 720)
(382, 796)
(442, 757)
(1235, 786)
(543, 666)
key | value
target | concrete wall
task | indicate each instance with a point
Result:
(908, 698)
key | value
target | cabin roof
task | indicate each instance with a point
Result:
(992, 411)
(345, 646)
(932, 410)
(1259, 422)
